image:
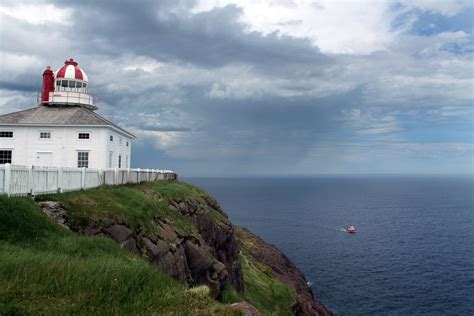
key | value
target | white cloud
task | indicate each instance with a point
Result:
(334, 26)
(38, 13)
(445, 7)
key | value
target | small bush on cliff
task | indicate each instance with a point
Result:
(47, 269)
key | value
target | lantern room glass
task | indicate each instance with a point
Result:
(71, 85)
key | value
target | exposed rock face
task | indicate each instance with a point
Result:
(284, 269)
(211, 258)
(217, 236)
(55, 211)
(246, 309)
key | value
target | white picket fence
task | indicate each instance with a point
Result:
(32, 180)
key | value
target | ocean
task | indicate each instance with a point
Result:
(413, 253)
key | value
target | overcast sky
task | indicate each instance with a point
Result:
(222, 87)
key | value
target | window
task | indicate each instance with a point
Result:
(64, 83)
(6, 134)
(5, 156)
(83, 136)
(111, 158)
(58, 83)
(78, 84)
(111, 138)
(45, 135)
(83, 159)
(120, 161)
(126, 144)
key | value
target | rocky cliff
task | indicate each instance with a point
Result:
(186, 234)
(254, 248)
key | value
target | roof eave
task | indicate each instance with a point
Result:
(123, 131)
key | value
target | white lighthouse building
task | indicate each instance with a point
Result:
(64, 130)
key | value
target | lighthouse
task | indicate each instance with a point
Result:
(69, 85)
(63, 129)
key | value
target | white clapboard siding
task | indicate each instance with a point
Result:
(24, 180)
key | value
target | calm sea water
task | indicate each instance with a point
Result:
(413, 254)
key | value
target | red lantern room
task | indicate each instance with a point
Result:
(70, 88)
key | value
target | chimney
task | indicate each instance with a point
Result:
(48, 84)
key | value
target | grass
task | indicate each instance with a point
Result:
(264, 291)
(138, 205)
(47, 269)
(229, 295)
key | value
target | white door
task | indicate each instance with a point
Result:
(44, 159)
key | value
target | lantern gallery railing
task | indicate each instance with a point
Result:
(25, 180)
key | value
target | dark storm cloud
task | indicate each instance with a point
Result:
(21, 85)
(162, 128)
(221, 99)
(211, 39)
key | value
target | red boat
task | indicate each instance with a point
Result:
(351, 230)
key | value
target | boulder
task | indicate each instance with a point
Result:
(220, 270)
(246, 308)
(198, 259)
(166, 232)
(175, 265)
(119, 233)
(131, 245)
(182, 207)
(107, 222)
(181, 265)
(155, 250)
(92, 231)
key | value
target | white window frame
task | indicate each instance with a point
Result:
(8, 131)
(88, 157)
(84, 132)
(8, 149)
(50, 135)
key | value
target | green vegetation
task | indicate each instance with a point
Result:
(138, 205)
(264, 291)
(229, 295)
(47, 269)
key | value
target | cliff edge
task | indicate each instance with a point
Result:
(175, 228)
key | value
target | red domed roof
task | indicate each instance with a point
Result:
(71, 70)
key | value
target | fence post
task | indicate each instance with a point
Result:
(30, 180)
(101, 177)
(60, 180)
(8, 176)
(83, 177)
(138, 175)
(116, 176)
(128, 175)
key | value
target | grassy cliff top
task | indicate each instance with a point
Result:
(48, 269)
(137, 205)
